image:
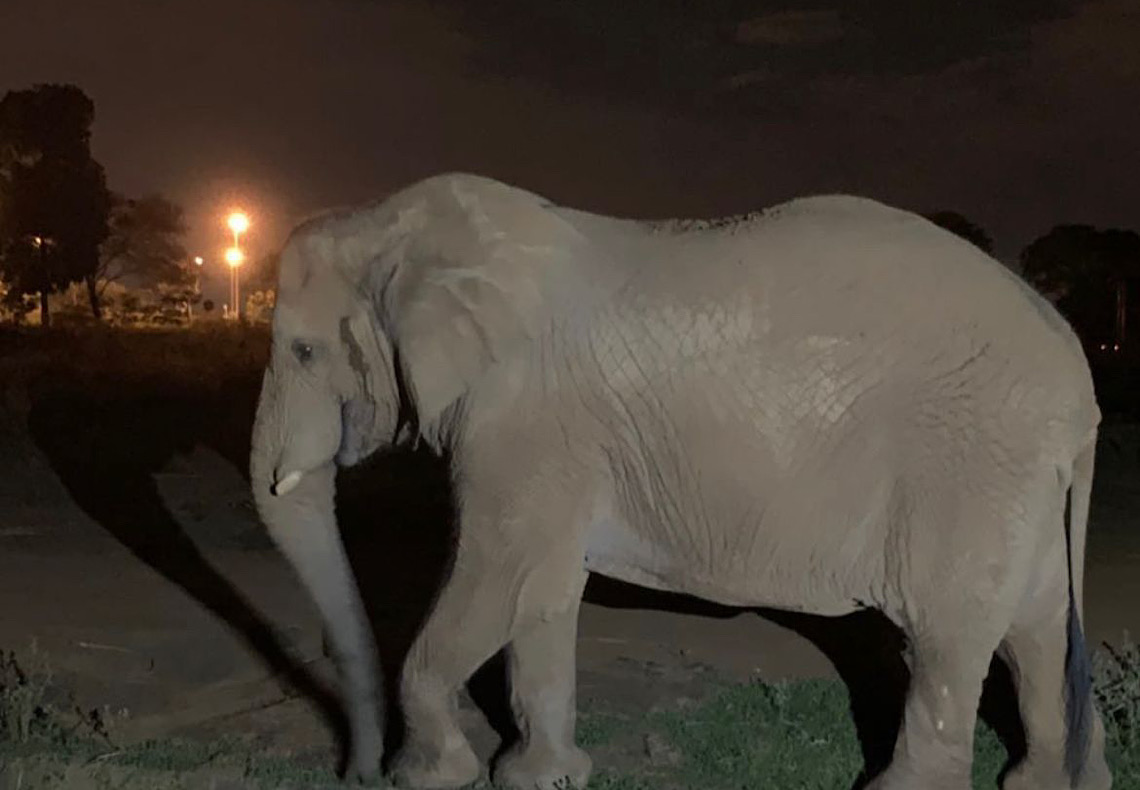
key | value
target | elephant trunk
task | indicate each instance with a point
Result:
(303, 526)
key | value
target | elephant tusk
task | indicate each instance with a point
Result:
(286, 484)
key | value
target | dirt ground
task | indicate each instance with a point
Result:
(144, 577)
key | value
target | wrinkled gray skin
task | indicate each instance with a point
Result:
(829, 405)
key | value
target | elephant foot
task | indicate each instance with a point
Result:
(363, 764)
(426, 769)
(1096, 775)
(538, 768)
(1033, 774)
(363, 772)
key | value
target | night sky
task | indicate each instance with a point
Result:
(1020, 114)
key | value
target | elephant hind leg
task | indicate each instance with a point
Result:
(959, 599)
(934, 750)
(1035, 651)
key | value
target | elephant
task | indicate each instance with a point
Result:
(827, 405)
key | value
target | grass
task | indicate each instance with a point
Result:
(1116, 671)
(25, 713)
(799, 736)
(46, 742)
(166, 765)
(786, 736)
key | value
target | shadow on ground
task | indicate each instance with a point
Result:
(106, 450)
(106, 444)
(395, 514)
(866, 650)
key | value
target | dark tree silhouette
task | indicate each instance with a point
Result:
(960, 226)
(144, 247)
(55, 202)
(1088, 273)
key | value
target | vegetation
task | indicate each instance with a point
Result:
(1117, 673)
(55, 200)
(60, 226)
(799, 736)
(134, 363)
(791, 736)
(144, 249)
(1087, 273)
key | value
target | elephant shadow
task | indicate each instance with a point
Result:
(106, 451)
(105, 447)
(867, 651)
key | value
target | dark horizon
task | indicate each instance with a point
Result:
(1015, 117)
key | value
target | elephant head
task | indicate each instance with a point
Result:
(386, 316)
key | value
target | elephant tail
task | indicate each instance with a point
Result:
(1078, 668)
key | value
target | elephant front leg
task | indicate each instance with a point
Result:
(468, 625)
(517, 577)
(541, 666)
(495, 596)
(471, 621)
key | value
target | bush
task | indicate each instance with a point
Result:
(259, 306)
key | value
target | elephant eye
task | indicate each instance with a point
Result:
(303, 351)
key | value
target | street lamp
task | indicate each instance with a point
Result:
(197, 260)
(238, 222)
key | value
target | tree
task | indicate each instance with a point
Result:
(144, 249)
(1086, 272)
(960, 226)
(55, 203)
(180, 291)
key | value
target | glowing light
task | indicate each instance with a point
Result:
(238, 222)
(235, 257)
(198, 260)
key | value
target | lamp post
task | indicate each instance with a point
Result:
(198, 261)
(41, 244)
(234, 257)
(238, 223)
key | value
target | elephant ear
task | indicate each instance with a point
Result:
(480, 271)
